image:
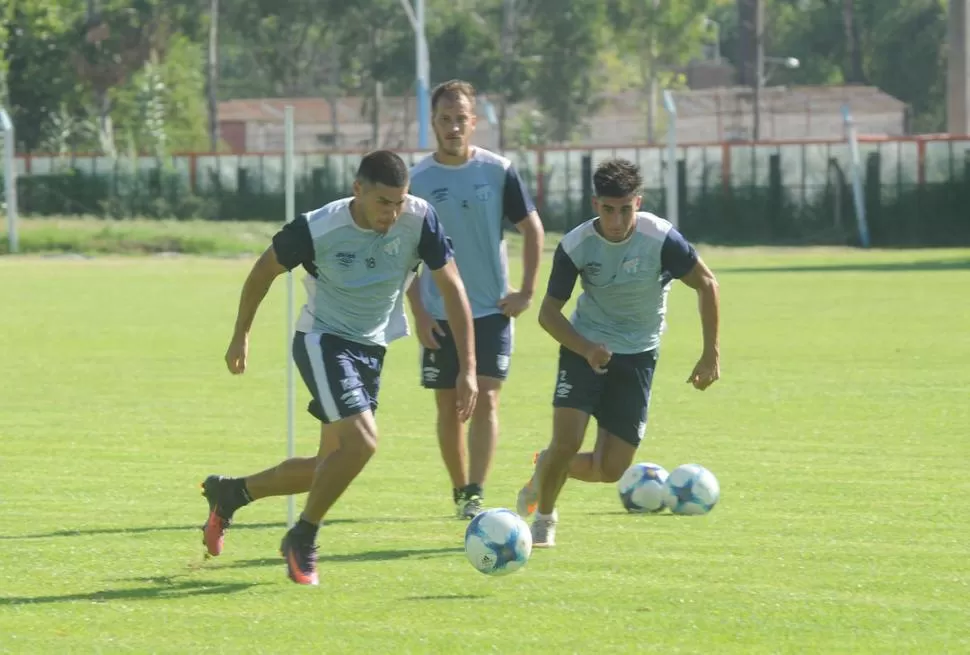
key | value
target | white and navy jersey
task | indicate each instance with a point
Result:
(625, 285)
(356, 278)
(471, 201)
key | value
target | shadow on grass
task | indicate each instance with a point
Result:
(835, 267)
(162, 588)
(365, 556)
(197, 527)
(623, 512)
(449, 597)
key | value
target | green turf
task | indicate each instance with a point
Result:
(839, 433)
(97, 236)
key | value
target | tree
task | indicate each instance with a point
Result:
(112, 42)
(567, 42)
(898, 47)
(40, 84)
(663, 35)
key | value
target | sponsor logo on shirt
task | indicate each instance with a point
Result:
(346, 259)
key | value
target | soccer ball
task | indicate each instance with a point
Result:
(498, 542)
(691, 489)
(641, 488)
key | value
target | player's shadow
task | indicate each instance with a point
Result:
(836, 267)
(364, 556)
(622, 512)
(162, 588)
(67, 532)
(449, 597)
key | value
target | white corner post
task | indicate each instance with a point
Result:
(416, 16)
(10, 180)
(856, 169)
(290, 195)
(672, 208)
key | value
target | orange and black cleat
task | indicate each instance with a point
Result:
(301, 559)
(214, 530)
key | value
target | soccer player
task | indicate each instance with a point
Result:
(626, 260)
(473, 190)
(358, 253)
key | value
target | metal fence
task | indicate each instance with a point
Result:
(803, 180)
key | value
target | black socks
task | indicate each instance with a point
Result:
(467, 492)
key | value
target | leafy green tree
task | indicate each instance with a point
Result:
(662, 36)
(40, 83)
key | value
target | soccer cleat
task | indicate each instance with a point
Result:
(544, 530)
(301, 559)
(469, 506)
(528, 498)
(214, 530)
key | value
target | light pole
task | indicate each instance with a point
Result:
(713, 24)
(761, 79)
(416, 16)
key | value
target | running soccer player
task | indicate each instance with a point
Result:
(359, 253)
(626, 260)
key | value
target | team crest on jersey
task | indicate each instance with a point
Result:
(440, 195)
(346, 259)
(483, 192)
(631, 266)
(393, 247)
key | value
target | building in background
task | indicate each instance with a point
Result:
(706, 115)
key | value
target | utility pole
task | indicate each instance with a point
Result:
(507, 45)
(212, 76)
(958, 79)
(416, 16)
(751, 15)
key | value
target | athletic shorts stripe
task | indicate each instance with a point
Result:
(320, 379)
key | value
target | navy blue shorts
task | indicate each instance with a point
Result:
(343, 377)
(617, 399)
(493, 350)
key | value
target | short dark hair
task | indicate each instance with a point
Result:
(383, 167)
(617, 178)
(452, 89)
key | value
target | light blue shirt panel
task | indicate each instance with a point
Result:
(469, 200)
(624, 297)
(361, 274)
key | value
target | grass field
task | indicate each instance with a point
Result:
(839, 433)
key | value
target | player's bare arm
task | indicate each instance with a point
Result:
(266, 269)
(459, 314)
(559, 328)
(517, 301)
(708, 368)
(426, 327)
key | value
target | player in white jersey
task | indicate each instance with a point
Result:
(359, 254)
(473, 191)
(626, 261)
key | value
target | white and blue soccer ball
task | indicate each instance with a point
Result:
(691, 490)
(641, 488)
(498, 542)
